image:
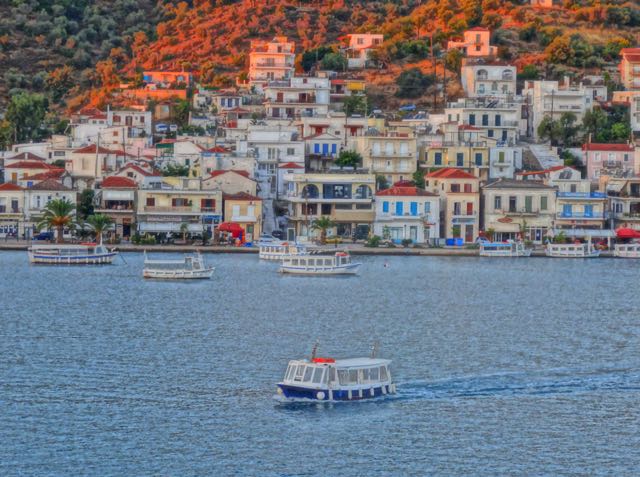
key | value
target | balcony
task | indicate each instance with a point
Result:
(579, 215)
(386, 154)
(583, 195)
(520, 212)
(10, 210)
(244, 219)
(174, 210)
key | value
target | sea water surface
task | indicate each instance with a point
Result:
(504, 367)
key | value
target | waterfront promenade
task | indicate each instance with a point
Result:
(354, 249)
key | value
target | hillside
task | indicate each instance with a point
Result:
(77, 51)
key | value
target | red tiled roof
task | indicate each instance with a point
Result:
(478, 28)
(140, 170)
(241, 196)
(290, 165)
(468, 127)
(50, 174)
(404, 192)
(27, 156)
(450, 173)
(218, 149)
(10, 186)
(593, 146)
(545, 171)
(91, 149)
(224, 171)
(49, 184)
(117, 182)
(29, 165)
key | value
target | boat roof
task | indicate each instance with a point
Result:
(350, 362)
(63, 246)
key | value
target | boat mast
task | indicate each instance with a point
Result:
(374, 349)
(314, 350)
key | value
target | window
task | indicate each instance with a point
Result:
(336, 191)
(207, 204)
(501, 156)
(543, 202)
(427, 207)
(317, 375)
(455, 187)
(291, 151)
(399, 208)
(459, 159)
(588, 210)
(528, 203)
(497, 202)
(490, 133)
(478, 158)
(299, 373)
(437, 158)
(574, 188)
(472, 119)
(626, 157)
(469, 208)
(385, 207)
(498, 120)
(383, 373)
(512, 203)
(363, 192)
(151, 202)
(308, 373)
(485, 119)
(467, 188)
(414, 208)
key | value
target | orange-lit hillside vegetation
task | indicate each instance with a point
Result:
(211, 38)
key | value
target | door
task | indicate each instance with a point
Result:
(468, 233)
(469, 208)
(399, 208)
(566, 210)
(413, 233)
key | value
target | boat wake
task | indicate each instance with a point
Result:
(523, 384)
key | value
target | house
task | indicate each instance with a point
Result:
(230, 182)
(576, 205)
(504, 161)
(166, 79)
(335, 123)
(360, 47)
(497, 119)
(38, 196)
(629, 68)
(244, 210)
(393, 155)
(322, 150)
(617, 160)
(297, 96)
(407, 213)
(624, 194)
(220, 158)
(270, 61)
(12, 198)
(165, 210)
(143, 176)
(343, 88)
(22, 169)
(471, 157)
(552, 99)
(117, 199)
(459, 194)
(516, 209)
(488, 79)
(477, 42)
(345, 197)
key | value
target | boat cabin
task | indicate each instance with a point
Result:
(323, 372)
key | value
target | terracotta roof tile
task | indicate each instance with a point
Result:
(241, 196)
(405, 192)
(49, 184)
(118, 182)
(10, 186)
(29, 165)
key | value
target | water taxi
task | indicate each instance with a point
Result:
(338, 264)
(328, 379)
(627, 250)
(279, 250)
(572, 250)
(188, 268)
(76, 254)
(504, 249)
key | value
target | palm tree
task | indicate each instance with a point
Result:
(58, 214)
(99, 223)
(322, 224)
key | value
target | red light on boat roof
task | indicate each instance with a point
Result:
(323, 360)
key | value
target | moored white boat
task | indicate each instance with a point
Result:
(188, 268)
(627, 250)
(504, 249)
(279, 250)
(571, 250)
(338, 264)
(328, 379)
(71, 254)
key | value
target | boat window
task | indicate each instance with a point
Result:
(383, 373)
(295, 262)
(287, 375)
(374, 374)
(353, 376)
(308, 373)
(327, 261)
(332, 374)
(299, 373)
(317, 375)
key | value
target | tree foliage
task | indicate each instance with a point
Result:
(412, 83)
(349, 159)
(25, 115)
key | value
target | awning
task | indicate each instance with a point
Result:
(232, 228)
(626, 233)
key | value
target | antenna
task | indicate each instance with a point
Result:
(374, 349)
(314, 350)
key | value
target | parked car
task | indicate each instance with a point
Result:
(334, 239)
(279, 234)
(43, 236)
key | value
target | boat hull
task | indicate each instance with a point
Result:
(351, 269)
(294, 393)
(90, 259)
(594, 254)
(626, 251)
(505, 254)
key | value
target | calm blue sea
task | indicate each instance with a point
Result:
(504, 367)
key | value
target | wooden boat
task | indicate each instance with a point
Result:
(188, 268)
(338, 264)
(87, 253)
(504, 249)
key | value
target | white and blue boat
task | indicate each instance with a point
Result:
(81, 254)
(504, 249)
(328, 379)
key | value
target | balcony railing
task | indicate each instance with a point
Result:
(521, 212)
(583, 195)
(9, 210)
(579, 215)
(153, 208)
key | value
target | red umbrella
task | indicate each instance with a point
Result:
(626, 233)
(232, 228)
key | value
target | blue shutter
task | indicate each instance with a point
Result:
(478, 158)
(385, 207)
(325, 149)
(316, 148)
(588, 210)
(427, 207)
(459, 159)
(334, 148)
(414, 208)
(438, 158)
(399, 208)
(566, 210)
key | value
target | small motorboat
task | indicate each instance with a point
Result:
(338, 264)
(190, 267)
(504, 249)
(328, 379)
